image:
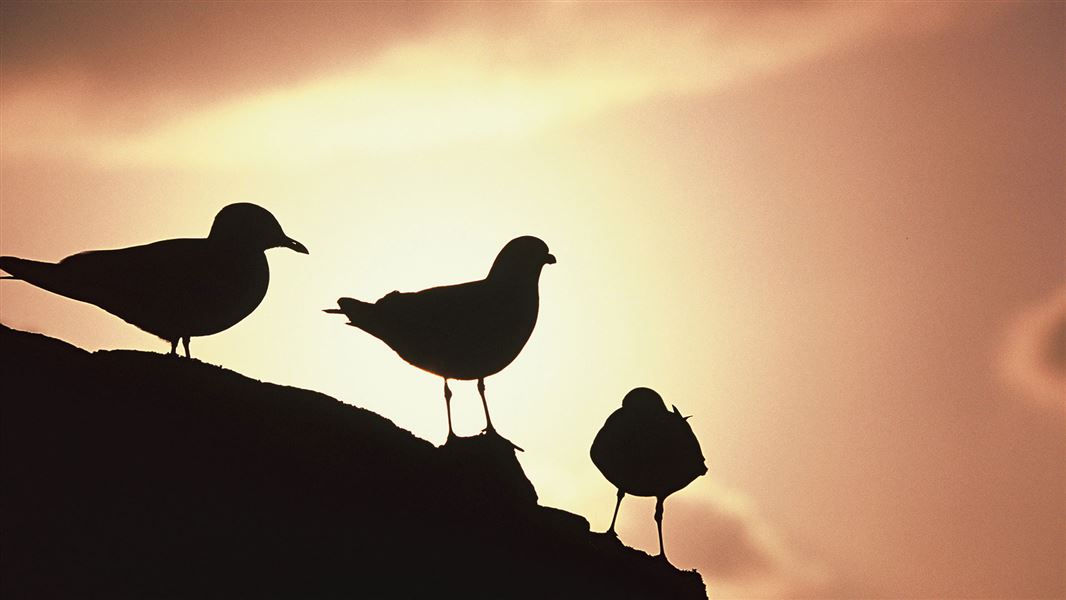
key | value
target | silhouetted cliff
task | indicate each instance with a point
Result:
(136, 475)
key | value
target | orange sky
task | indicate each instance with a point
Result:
(832, 232)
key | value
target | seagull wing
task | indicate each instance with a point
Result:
(444, 311)
(139, 283)
(468, 330)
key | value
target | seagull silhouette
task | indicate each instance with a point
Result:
(646, 450)
(175, 289)
(466, 331)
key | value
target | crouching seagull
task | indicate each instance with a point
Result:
(174, 289)
(646, 450)
(466, 331)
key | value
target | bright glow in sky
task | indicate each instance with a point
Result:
(811, 226)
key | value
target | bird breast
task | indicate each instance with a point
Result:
(645, 457)
(225, 293)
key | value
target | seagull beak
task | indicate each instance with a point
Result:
(550, 260)
(294, 245)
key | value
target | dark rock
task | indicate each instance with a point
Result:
(137, 475)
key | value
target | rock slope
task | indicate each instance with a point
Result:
(137, 475)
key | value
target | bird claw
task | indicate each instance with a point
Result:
(489, 431)
(512, 445)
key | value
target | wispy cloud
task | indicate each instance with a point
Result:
(475, 76)
(1033, 356)
(737, 550)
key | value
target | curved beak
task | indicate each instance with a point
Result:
(294, 245)
(550, 260)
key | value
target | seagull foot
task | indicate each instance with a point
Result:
(607, 539)
(492, 432)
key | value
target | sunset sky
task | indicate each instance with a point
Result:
(833, 233)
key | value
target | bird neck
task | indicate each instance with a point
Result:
(235, 246)
(514, 274)
(520, 282)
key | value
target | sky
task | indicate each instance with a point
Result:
(833, 233)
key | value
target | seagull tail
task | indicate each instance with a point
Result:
(53, 277)
(29, 270)
(357, 311)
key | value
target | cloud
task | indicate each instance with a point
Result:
(738, 552)
(1033, 355)
(464, 74)
(129, 52)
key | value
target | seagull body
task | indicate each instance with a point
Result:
(466, 331)
(646, 450)
(175, 289)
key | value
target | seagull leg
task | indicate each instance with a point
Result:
(489, 429)
(610, 529)
(659, 524)
(481, 390)
(448, 407)
(185, 344)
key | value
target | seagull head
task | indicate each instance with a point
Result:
(252, 227)
(644, 400)
(521, 258)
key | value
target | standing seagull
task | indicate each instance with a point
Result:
(646, 450)
(175, 289)
(466, 331)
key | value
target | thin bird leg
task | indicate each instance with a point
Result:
(488, 422)
(659, 524)
(448, 407)
(174, 347)
(185, 344)
(621, 495)
(481, 390)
